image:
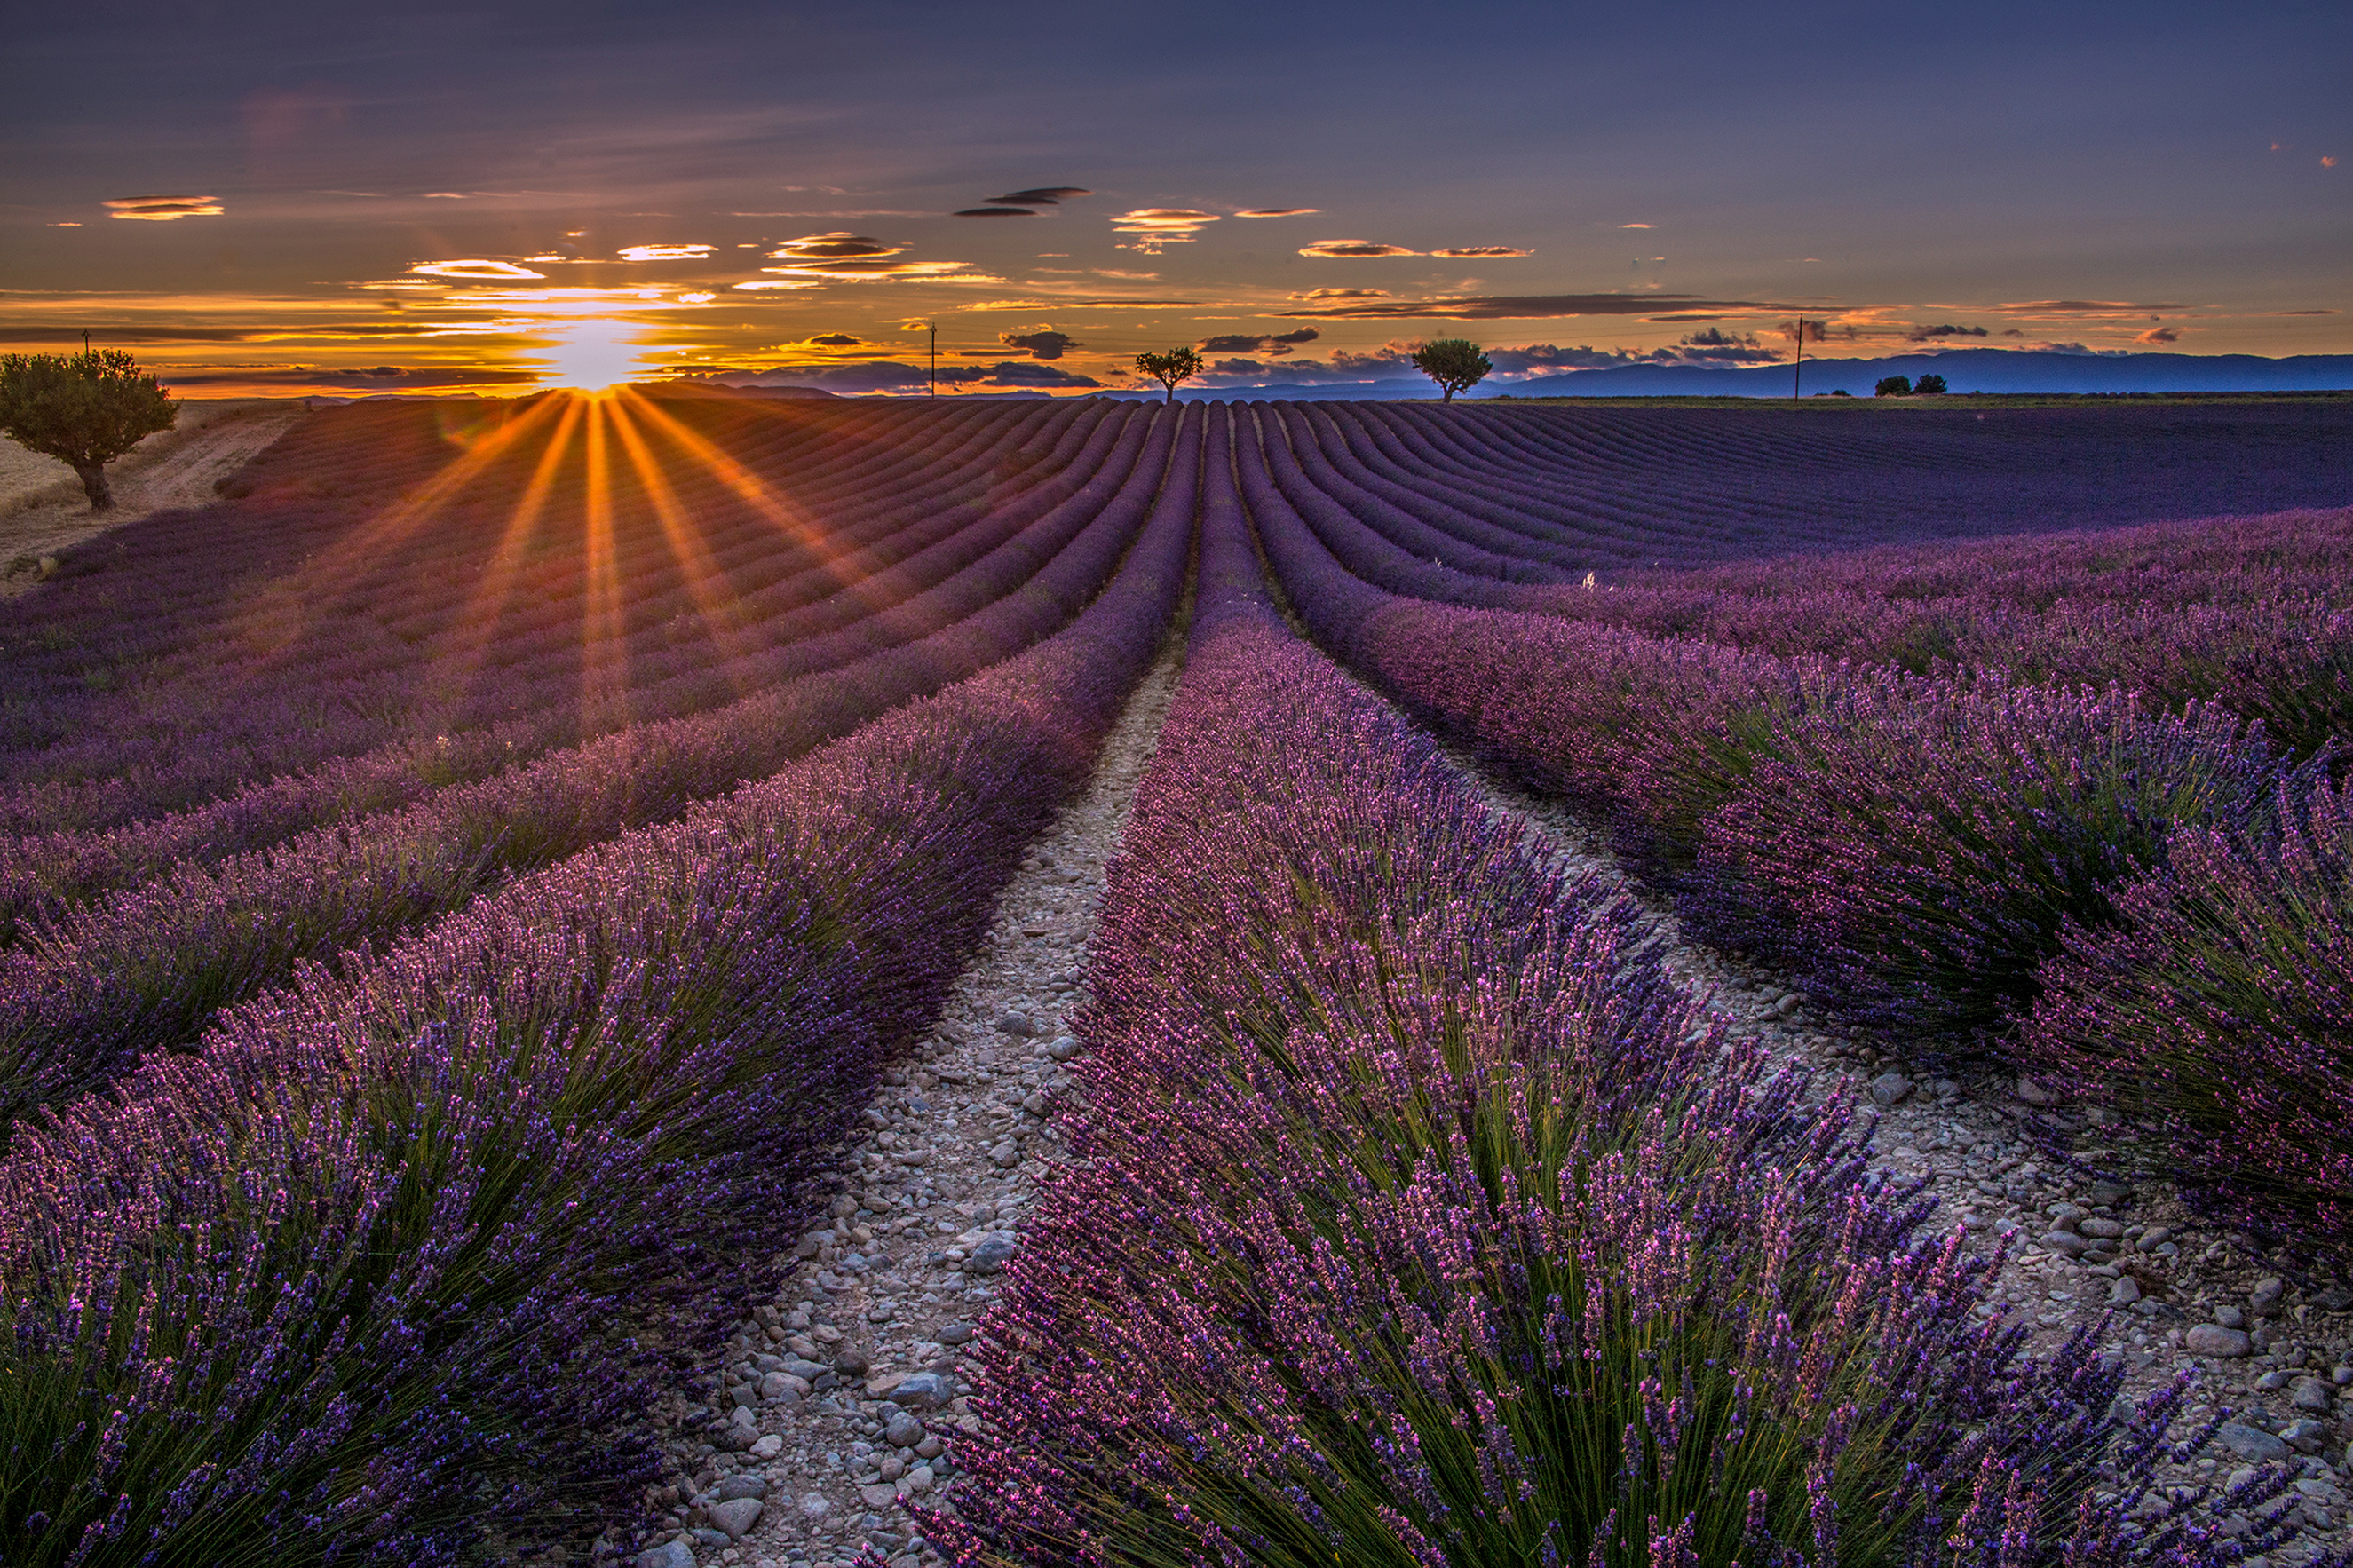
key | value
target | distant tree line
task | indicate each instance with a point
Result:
(1457, 364)
(1928, 386)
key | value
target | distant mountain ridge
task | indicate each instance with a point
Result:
(1964, 370)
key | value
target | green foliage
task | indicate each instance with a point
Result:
(1929, 385)
(1178, 364)
(84, 409)
(1457, 364)
(1893, 386)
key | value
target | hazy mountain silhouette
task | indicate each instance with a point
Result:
(1965, 370)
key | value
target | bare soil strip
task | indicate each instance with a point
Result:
(2168, 1289)
(42, 508)
(831, 1406)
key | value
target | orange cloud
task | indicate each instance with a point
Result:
(163, 209)
(474, 267)
(1155, 227)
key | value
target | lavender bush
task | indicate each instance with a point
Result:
(2214, 1018)
(94, 986)
(698, 607)
(1415, 1220)
(1911, 849)
(353, 1283)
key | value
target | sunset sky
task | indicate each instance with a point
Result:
(260, 196)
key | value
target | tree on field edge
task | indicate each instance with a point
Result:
(85, 410)
(1178, 364)
(1457, 364)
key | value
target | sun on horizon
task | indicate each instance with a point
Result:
(595, 355)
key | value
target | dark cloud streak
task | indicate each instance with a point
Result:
(1526, 307)
(1048, 344)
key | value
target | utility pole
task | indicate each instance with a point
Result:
(85, 342)
(932, 380)
(1798, 376)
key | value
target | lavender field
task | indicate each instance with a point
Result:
(674, 981)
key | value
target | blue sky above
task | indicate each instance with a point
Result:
(263, 195)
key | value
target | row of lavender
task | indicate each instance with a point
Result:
(327, 483)
(2144, 904)
(2247, 611)
(671, 546)
(1612, 490)
(816, 562)
(96, 983)
(406, 488)
(381, 1271)
(1417, 1218)
(45, 871)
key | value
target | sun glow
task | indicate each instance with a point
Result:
(594, 355)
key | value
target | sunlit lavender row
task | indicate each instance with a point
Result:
(399, 1252)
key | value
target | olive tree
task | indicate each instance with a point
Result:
(1177, 365)
(1457, 364)
(84, 409)
(1893, 386)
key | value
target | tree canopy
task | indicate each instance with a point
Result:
(84, 409)
(1168, 369)
(1457, 364)
(1893, 386)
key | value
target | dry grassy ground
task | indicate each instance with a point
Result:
(42, 508)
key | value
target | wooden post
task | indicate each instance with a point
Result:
(1798, 376)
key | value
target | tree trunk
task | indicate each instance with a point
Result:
(1450, 393)
(1172, 395)
(93, 484)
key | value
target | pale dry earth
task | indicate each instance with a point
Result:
(838, 1389)
(43, 509)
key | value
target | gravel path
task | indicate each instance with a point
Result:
(829, 1407)
(2175, 1291)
